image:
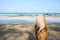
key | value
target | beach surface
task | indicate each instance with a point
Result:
(27, 31)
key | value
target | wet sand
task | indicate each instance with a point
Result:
(26, 32)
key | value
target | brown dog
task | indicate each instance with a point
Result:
(41, 31)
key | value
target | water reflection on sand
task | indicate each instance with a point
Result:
(26, 20)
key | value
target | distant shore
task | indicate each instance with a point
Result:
(31, 15)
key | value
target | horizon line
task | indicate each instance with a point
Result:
(29, 12)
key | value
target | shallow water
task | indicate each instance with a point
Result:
(25, 20)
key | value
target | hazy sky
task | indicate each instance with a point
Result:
(29, 6)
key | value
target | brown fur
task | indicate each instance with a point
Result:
(42, 34)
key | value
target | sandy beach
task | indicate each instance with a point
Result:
(26, 32)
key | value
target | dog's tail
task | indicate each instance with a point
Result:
(40, 25)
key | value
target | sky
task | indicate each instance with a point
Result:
(29, 6)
